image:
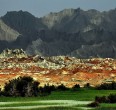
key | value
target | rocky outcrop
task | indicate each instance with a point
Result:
(16, 53)
(57, 69)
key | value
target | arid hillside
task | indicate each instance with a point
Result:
(56, 70)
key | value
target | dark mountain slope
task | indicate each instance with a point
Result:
(69, 32)
(26, 24)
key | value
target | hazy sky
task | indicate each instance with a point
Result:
(42, 7)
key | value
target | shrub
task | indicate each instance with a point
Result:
(93, 104)
(76, 87)
(102, 99)
(109, 99)
(112, 98)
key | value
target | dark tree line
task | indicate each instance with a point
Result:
(25, 87)
(107, 86)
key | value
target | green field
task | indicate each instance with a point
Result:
(81, 95)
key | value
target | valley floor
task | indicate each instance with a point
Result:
(58, 100)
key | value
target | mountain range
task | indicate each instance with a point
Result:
(70, 32)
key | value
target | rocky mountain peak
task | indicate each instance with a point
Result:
(67, 32)
(53, 19)
(21, 21)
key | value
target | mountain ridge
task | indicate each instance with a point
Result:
(70, 32)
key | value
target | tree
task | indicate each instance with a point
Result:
(62, 87)
(76, 87)
(10, 88)
(87, 85)
(46, 90)
(22, 86)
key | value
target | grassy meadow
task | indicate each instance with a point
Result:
(80, 95)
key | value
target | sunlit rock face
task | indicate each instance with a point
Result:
(7, 33)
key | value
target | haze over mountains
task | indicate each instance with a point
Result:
(72, 32)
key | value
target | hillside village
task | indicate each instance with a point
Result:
(56, 70)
